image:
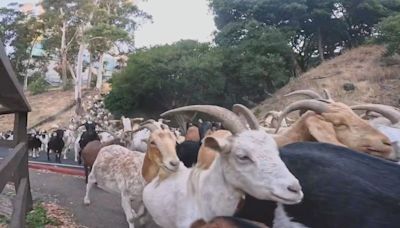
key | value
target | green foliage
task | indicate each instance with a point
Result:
(188, 72)
(315, 28)
(38, 217)
(163, 77)
(40, 85)
(3, 220)
(389, 30)
(257, 60)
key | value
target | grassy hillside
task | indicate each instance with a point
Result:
(44, 106)
(376, 79)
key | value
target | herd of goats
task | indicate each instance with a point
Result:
(330, 167)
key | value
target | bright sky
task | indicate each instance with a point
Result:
(173, 20)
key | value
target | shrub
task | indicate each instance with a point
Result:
(38, 217)
(40, 85)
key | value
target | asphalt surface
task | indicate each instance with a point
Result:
(67, 191)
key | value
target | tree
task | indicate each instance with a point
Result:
(315, 28)
(389, 30)
(257, 60)
(168, 76)
(62, 19)
(21, 32)
(113, 25)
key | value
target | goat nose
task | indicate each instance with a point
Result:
(295, 188)
(174, 163)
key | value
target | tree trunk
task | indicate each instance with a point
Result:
(29, 62)
(320, 45)
(99, 81)
(78, 81)
(89, 78)
(64, 54)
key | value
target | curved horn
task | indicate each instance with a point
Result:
(327, 94)
(137, 120)
(317, 106)
(387, 111)
(228, 119)
(150, 126)
(309, 93)
(271, 113)
(240, 109)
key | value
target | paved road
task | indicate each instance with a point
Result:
(68, 191)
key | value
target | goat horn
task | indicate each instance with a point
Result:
(271, 113)
(147, 122)
(311, 94)
(240, 109)
(228, 119)
(317, 106)
(387, 111)
(140, 119)
(150, 126)
(327, 94)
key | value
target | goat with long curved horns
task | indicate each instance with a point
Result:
(248, 161)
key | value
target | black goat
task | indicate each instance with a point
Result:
(342, 188)
(56, 144)
(89, 135)
(34, 144)
(188, 151)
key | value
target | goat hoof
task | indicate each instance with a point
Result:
(86, 202)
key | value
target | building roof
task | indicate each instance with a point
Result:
(12, 98)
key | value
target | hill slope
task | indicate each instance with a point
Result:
(45, 106)
(376, 80)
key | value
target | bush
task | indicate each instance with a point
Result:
(40, 85)
(38, 217)
(389, 30)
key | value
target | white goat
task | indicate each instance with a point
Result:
(119, 170)
(69, 140)
(248, 162)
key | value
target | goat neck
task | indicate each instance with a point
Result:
(211, 184)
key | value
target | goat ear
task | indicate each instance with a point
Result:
(222, 145)
(322, 130)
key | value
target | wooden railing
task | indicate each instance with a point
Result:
(14, 168)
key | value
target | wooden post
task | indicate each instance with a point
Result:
(20, 135)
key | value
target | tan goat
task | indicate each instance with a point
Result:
(335, 123)
(119, 170)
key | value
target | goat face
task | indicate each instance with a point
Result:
(356, 133)
(90, 127)
(251, 162)
(161, 149)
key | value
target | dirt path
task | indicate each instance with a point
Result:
(68, 191)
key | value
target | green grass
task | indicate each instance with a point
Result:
(3, 220)
(37, 218)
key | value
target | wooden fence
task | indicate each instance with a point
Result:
(14, 168)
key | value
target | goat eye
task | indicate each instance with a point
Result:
(341, 126)
(243, 158)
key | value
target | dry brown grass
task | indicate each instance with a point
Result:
(375, 77)
(43, 106)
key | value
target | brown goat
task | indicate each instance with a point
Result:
(90, 152)
(335, 123)
(192, 134)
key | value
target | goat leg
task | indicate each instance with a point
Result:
(48, 154)
(86, 172)
(79, 157)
